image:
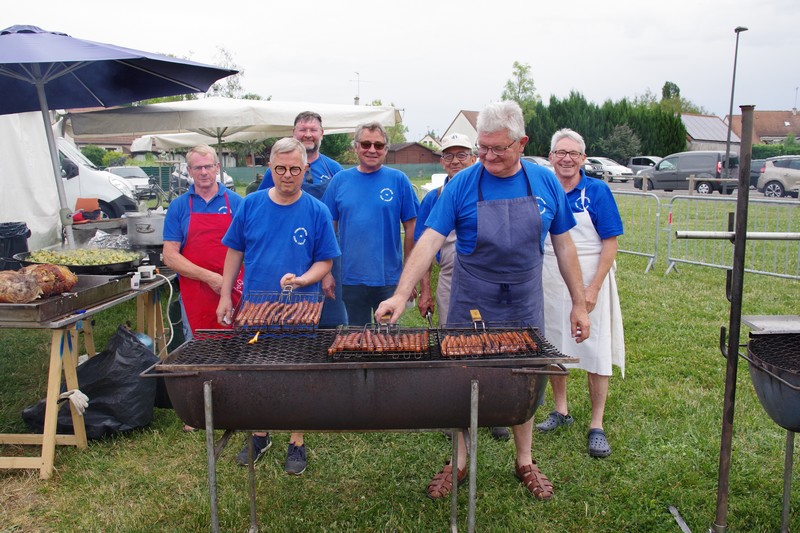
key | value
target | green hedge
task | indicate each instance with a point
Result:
(763, 151)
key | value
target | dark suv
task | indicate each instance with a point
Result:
(672, 173)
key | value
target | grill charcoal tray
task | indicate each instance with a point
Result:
(278, 311)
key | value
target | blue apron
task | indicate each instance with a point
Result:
(333, 311)
(502, 277)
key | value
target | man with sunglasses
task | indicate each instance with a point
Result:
(368, 204)
(308, 130)
(284, 236)
(194, 226)
(501, 210)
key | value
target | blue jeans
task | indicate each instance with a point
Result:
(361, 301)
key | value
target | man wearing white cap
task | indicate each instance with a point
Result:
(456, 156)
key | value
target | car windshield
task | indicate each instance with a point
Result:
(131, 172)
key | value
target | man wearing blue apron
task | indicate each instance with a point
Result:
(501, 210)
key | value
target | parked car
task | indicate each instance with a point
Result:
(643, 162)
(84, 180)
(592, 169)
(756, 167)
(780, 176)
(136, 177)
(609, 166)
(538, 160)
(672, 173)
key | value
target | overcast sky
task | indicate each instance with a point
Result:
(432, 59)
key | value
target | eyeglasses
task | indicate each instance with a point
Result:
(561, 154)
(365, 145)
(208, 168)
(281, 170)
(496, 150)
(461, 156)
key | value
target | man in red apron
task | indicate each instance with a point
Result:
(193, 229)
(501, 209)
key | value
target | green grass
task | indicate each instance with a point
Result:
(663, 421)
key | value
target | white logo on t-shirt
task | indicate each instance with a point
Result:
(387, 194)
(300, 236)
(542, 205)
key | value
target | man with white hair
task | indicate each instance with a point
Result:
(501, 210)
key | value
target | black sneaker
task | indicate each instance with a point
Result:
(260, 447)
(500, 433)
(295, 459)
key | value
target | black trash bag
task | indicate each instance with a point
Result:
(13, 240)
(119, 400)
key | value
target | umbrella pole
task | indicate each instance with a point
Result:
(65, 212)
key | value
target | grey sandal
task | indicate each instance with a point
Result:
(553, 421)
(598, 444)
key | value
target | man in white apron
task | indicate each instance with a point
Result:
(595, 237)
(501, 209)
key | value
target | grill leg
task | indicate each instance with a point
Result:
(787, 480)
(473, 449)
(454, 469)
(251, 478)
(212, 460)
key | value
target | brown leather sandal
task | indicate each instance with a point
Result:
(536, 482)
(442, 483)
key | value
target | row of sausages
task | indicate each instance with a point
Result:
(487, 343)
(375, 342)
(304, 313)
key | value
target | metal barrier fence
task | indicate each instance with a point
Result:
(779, 258)
(641, 219)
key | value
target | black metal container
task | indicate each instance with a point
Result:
(775, 371)
(286, 383)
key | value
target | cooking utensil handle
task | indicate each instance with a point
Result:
(763, 368)
(562, 370)
(147, 373)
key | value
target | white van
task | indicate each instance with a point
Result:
(84, 180)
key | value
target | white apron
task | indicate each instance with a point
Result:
(447, 256)
(606, 343)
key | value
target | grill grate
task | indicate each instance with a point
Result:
(278, 311)
(781, 350)
(224, 348)
(382, 342)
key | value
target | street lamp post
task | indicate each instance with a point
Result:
(738, 30)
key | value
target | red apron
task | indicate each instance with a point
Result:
(204, 248)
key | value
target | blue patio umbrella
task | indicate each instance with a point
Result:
(43, 70)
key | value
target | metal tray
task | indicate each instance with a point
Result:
(108, 268)
(90, 290)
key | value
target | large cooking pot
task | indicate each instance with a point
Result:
(108, 268)
(146, 229)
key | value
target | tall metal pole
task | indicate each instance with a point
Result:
(736, 284)
(738, 30)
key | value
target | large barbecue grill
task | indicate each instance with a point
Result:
(215, 380)
(293, 377)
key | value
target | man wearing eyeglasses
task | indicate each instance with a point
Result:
(501, 210)
(308, 130)
(284, 237)
(194, 226)
(368, 204)
(595, 236)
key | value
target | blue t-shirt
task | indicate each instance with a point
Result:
(457, 208)
(370, 209)
(277, 239)
(600, 204)
(323, 169)
(425, 208)
(176, 222)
